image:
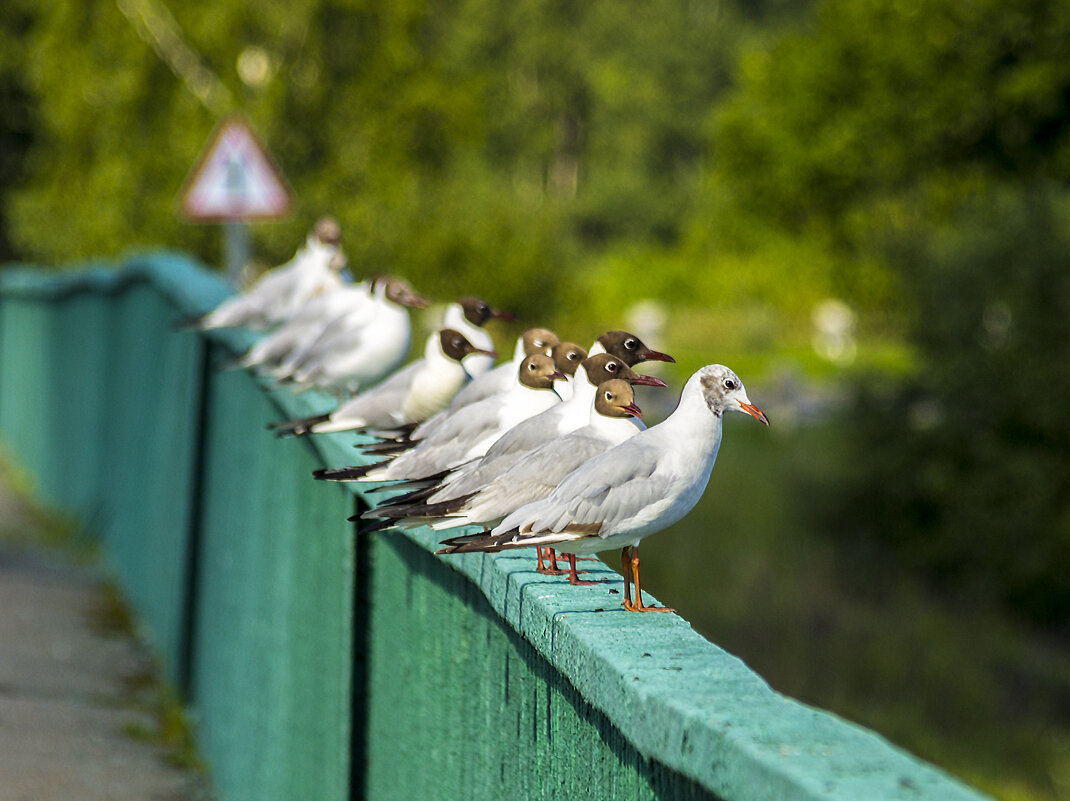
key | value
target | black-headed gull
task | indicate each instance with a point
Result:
(469, 315)
(632, 490)
(622, 344)
(502, 377)
(566, 355)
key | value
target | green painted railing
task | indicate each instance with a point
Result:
(322, 666)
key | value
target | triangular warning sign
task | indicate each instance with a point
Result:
(234, 179)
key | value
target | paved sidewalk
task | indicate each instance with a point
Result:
(76, 709)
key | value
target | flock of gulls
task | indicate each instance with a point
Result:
(547, 449)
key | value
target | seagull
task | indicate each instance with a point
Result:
(467, 435)
(349, 357)
(622, 344)
(300, 332)
(502, 377)
(612, 418)
(532, 341)
(468, 316)
(560, 419)
(281, 292)
(632, 490)
(411, 394)
(628, 347)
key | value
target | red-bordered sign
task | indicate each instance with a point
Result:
(235, 179)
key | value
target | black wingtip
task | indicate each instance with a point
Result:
(352, 473)
(420, 510)
(484, 542)
(371, 528)
(386, 448)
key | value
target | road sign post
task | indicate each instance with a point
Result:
(234, 181)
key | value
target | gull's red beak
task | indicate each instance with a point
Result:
(754, 412)
(415, 301)
(497, 314)
(633, 410)
(657, 356)
(493, 354)
(557, 374)
(648, 381)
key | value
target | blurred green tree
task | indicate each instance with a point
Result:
(17, 112)
(885, 115)
(473, 143)
(962, 471)
(931, 140)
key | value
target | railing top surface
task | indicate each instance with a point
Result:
(677, 697)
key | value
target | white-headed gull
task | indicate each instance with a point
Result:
(632, 490)
(410, 395)
(467, 435)
(349, 357)
(281, 292)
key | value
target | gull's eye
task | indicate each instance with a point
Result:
(573, 355)
(538, 343)
(631, 344)
(612, 367)
(609, 396)
(531, 366)
(729, 384)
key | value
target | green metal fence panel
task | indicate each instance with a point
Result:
(474, 711)
(270, 684)
(150, 429)
(79, 356)
(684, 703)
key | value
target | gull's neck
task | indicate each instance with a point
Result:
(614, 429)
(694, 430)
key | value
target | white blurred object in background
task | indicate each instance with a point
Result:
(834, 326)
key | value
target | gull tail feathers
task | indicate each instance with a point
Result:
(299, 427)
(370, 528)
(420, 488)
(387, 448)
(419, 510)
(491, 543)
(353, 473)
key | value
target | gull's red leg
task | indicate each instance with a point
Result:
(553, 569)
(573, 578)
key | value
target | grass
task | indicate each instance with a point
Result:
(952, 679)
